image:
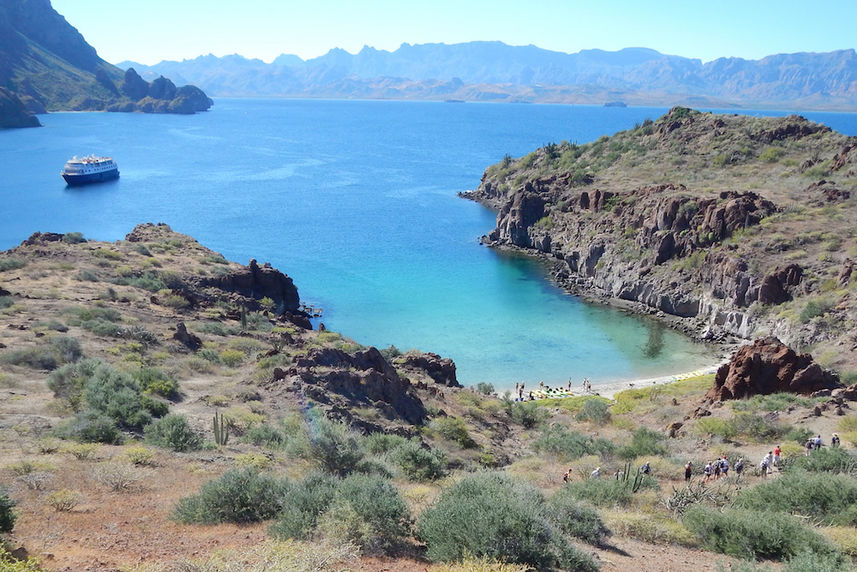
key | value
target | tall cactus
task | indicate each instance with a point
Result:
(221, 429)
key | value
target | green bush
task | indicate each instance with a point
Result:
(6, 301)
(11, 264)
(173, 432)
(485, 388)
(60, 350)
(577, 519)
(232, 358)
(595, 410)
(89, 426)
(823, 497)
(418, 463)
(7, 513)
(455, 430)
(118, 396)
(380, 443)
(814, 308)
(264, 435)
(644, 442)
(527, 414)
(754, 535)
(303, 503)
(67, 381)
(491, 515)
(73, 238)
(609, 492)
(569, 445)
(334, 446)
(828, 460)
(155, 381)
(239, 495)
(77, 315)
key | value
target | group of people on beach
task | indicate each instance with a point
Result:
(548, 391)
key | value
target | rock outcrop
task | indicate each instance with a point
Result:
(441, 370)
(256, 282)
(768, 366)
(361, 378)
(13, 112)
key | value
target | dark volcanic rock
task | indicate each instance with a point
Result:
(191, 341)
(363, 377)
(441, 370)
(134, 86)
(775, 287)
(768, 366)
(257, 282)
(162, 88)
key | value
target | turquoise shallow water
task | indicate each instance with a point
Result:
(356, 200)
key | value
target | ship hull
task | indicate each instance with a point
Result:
(74, 180)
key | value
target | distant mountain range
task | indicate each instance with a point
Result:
(494, 71)
(45, 64)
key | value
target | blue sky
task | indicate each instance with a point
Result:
(153, 30)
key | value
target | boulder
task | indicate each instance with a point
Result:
(768, 366)
(191, 341)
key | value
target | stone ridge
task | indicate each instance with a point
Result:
(728, 226)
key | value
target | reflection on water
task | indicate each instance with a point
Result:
(655, 341)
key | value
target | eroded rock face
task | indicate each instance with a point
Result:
(257, 282)
(364, 377)
(768, 366)
(441, 370)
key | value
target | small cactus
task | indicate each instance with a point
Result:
(221, 429)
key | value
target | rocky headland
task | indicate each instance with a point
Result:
(729, 227)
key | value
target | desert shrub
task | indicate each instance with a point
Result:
(454, 429)
(771, 154)
(303, 503)
(156, 381)
(610, 492)
(118, 476)
(86, 275)
(60, 350)
(73, 238)
(232, 358)
(264, 435)
(644, 442)
(116, 395)
(651, 528)
(11, 264)
(63, 500)
(753, 535)
(595, 410)
(51, 324)
(490, 515)
(7, 512)
(9, 563)
(82, 451)
(824, 562)
(827, 460)
(6, 301)
(823, 497)
(78, 315)
(577, 519)
(380, 443)
(255, 460)
(369, 511)
(215, 328)
(334, 446)
(485, 388)
(173, 432)
(139, 455)
(527, 414)
(67, 382)
(239, 495)
(772, 402)
(418, 463)
(484, 564)
(814, 308)
(89, 426)
(569, 445)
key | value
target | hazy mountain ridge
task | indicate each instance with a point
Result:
(496, 71)
(46, 64)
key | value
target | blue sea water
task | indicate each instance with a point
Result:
(356, 201)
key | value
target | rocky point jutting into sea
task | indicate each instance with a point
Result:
(727, 226)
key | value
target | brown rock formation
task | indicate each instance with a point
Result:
(191, 341)
(364, 377)
(257, 282)
(441, 370)
(768, 366)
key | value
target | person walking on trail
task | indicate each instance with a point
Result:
(763, 467)
(596, 474)
(834, 441)
(777, 453)
(739, 466)
(565, 475)
(817, 442)
(646, 468)
(808, 446)
(707, 472)
(688, 469)
(724, 466)
(717, 469)
(769, 461)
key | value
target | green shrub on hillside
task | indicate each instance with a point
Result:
(595, 410)
(303, 503)
(381, 443)
(491, 515)
(240, 496)
(609, 492)
(527, 414)
(644, 442)
(418, 463)
(116, 395)
(827, 498)
(173, 432)
(60, 350)
(153, 380)
(754, 535)
(334, 446)
(828, 460)
(455, 430)
(570, 445)
(90, 426)
(7, 512)
(576, 519)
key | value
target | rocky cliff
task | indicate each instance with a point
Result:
(46, 63)
(13, 112)
(731, 226)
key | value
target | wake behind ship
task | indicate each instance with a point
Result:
(92, 169)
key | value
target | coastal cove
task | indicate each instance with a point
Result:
(356, 201)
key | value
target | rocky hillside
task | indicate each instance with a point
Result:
(46, 63)
(728, 225)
